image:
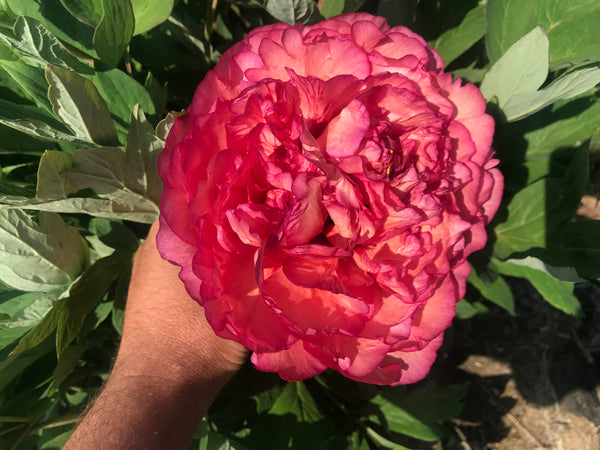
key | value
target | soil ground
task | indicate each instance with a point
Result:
(535, 377)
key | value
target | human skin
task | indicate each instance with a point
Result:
(169, 368)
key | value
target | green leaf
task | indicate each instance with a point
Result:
(525, 226)
(66, 363)
(293, 11)
(39, 333)
(555, 131)
(330, 8)
(124, 180)
(559, 273)
(558, 293)
(454, 42)
(40, 47)
(515, 78)
(221, 28)
(575, 244)
(52, 15)
(14, 142)
(85, 295)
(141, 152)
(114, 234)
(114, 31)
(572, 27)
(15, 113)
(496, 291)
(158, 95)
(86, 11)
(212, 440)
(129, 207)
(77, 102)
(381, 441)
(33, 83)
(536, 211)
(466, 310)
(34, 307)
(401, 421)
(297, 400)
(50, 185)
(150, 13)
(30, 120)
(40, 258)
(123, 93)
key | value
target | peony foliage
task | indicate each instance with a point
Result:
(91, 93)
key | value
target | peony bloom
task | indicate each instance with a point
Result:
(322, 194)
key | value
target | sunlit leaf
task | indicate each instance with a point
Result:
(62, 25)
(77, 102)
(39, 46)
(141, 152)
(150, 13)
(40, 258)
(33, 307)
(572, 27)
(558, 293)
(514, 80)
(330, 8)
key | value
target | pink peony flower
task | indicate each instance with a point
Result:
(322, 194)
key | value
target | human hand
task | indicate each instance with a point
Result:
(167, 326)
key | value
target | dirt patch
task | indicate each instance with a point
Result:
(534, 377)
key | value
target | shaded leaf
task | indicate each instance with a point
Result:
(574, 244)
(39, 333)
(536, 211)
(466, 310)
(293, 11)
(401, 421)
(86, 11)
(77, 102)
(85, 295)
(124, 93)
(33, 82)
(114, 31)
(66, 363)
(454, 42)
(496, 291)
(381, 441)
(556, 131)
(297, 400)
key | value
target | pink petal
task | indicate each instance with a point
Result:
(293, 364)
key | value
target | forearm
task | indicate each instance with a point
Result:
(169, 368)
(140, 409)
